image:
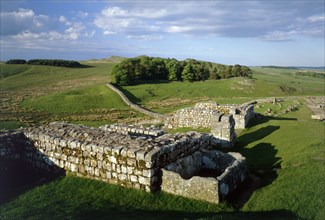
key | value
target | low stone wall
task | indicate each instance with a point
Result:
(222, 126)
(135, 106)
(192, 117)
(129, 160)
(317, 106)
(113, 157)
(15, 147)
(139, 130)
(242, 113)
(205, 175)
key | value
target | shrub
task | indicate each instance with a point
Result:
(16, 61)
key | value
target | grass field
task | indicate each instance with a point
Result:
(287, 153)
(286, 150)
(267, 82)
(37, 94)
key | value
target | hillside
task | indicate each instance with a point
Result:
(111, 59)
(282, 149)
(35, 94)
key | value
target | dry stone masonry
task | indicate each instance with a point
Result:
(15, 147)
(139, 130)
(133, 161)
(127, 155)
(188, 176)
(222, 119)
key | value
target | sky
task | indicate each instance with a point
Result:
(253, 33)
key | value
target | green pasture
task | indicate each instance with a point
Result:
(21, 76)
(286, 153)
(77, 101)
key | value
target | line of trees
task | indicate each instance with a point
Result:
(48, 62)
(142, 68)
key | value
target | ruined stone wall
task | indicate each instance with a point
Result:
(242, 113)
(15, 147)
(139, 130)
(192, 117)
(113, 157)
(135, 106)
(188, 176)
(222, 126)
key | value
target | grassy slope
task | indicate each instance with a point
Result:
(295, 144)
(77, 101)
(33, 76)
(36, 91)
(267, 82)
(292, 144)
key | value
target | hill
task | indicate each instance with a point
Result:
(111, 59)
(284, 150)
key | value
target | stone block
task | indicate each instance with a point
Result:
(144, 181)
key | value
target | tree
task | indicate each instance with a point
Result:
(246, 71)
(214, 74)
(173, 69)
(188, 73)
(121, 76)
(16, 61)
(158, 68)
(236, 70)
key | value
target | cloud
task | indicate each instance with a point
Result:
(82, 14)
(20, 20)
(267, 20)
(316, 18)
(74, 31)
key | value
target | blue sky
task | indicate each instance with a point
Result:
(264, 32)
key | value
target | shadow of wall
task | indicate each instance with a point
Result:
(22, 166)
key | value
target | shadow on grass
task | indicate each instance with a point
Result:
(251, 137)
(128, 94)
(82, 66)
(17, 177)
(130, 213)
(263, 119)
(262, 161)
(263, 164)
(149, 81)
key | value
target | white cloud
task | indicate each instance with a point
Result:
(62, 19)
(74, 31)
(30, 36)
(316, 18)
(22, 13)
(109, 32)
(82, 14)
(251, 19)
(90, 34)
(21, 20)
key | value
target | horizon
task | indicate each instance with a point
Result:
(252, 33)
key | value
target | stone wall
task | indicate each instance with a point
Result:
(242, 113)
(205, 175)
(136, 161)
(15, 147)
(113, 157)
(137, 130)
(222, 126)
(135, 106)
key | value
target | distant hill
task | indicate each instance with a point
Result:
(297, 67)
(111, 59)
